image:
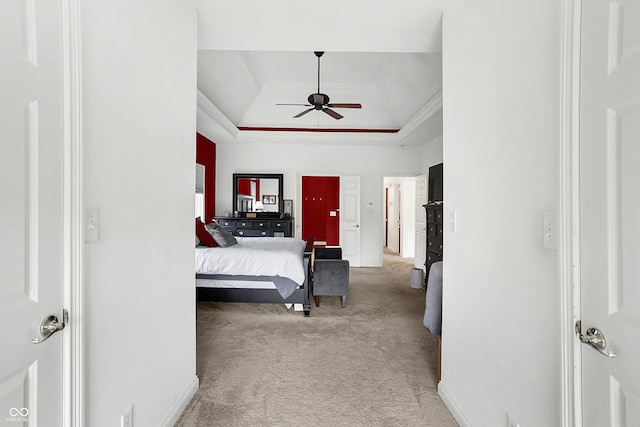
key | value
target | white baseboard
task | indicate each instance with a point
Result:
(453, 407)
(173, 417)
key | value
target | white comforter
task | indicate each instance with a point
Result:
(255, 256)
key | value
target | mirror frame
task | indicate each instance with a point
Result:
(277, 176)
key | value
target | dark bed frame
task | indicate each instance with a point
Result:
(301, 295)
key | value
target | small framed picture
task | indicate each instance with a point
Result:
(288, 207)
(268, 199)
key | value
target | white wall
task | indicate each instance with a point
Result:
(501, 330)
(371, 162)
(139, 101)
(433, 154)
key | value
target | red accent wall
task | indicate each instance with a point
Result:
(206, 155)
(244, 187)
(320, 195)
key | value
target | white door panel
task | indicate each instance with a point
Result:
(609, 209)
(393, 241)
(31, 218)
(350, 219)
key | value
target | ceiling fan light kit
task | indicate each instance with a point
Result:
(320, 101)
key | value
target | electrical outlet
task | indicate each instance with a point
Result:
(511, 422)
(127, 419)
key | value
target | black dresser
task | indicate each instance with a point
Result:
(257, 227)
(435, 231)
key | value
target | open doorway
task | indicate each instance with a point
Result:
(400, 216)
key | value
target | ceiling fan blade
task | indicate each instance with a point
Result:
(303, 113)
(302, 105)
(344, 105)
(332, 113)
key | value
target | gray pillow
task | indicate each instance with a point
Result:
(222, 237)
(197, 241)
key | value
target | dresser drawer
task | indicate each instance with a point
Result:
(435, 245)
(439, 216)
(226, 223)
(431, 215)
(252, 232)
(439, 229)
(432, 229)
(279, 225)
(244, 224)
(433, 257)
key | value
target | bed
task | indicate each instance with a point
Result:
(256, 270)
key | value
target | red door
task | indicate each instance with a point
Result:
(320, 209)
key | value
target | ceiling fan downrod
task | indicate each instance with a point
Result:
(318, 100)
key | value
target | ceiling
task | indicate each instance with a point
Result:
(255, 54)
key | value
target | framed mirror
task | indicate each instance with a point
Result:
(259, 193)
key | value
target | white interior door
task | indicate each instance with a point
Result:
(350, 219)
(32, 217)
(393, 223)
(610, 210)
(408, 219)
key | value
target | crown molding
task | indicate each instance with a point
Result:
(430, 108)
(210, 110)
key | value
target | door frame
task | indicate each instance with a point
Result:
(569, 236)
(73, 361)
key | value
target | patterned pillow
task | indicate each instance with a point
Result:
(203, 235)
(222, 237)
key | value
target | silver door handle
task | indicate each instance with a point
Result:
(50, 325)
(595, 338)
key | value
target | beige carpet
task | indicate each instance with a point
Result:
(370, 364)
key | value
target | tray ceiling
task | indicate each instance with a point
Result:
(250, 61)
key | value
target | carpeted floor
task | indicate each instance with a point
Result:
(370, 364)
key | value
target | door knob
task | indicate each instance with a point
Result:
(50, 325)
(595, 338)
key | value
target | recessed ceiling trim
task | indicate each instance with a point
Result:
(328, 130)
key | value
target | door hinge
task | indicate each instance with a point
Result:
(578, 329)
